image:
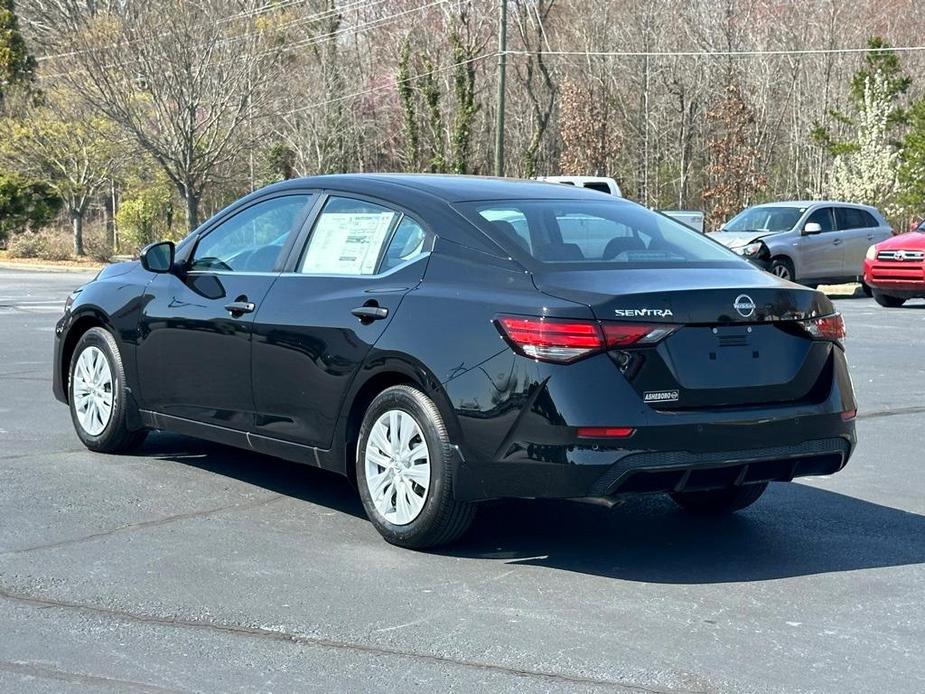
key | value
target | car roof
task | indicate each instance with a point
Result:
(450, 188)
(811, 203)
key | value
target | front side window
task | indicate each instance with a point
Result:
(822, 217)
(765, 219)
(590, 233)
(252, 240)
(348, 238)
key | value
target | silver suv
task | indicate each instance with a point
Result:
(806, 241)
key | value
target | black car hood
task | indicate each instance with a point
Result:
(685, 295)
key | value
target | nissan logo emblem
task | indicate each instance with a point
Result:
(744, 305)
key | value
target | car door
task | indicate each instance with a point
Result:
(861, 230)
(194, 352)
(820, 256)
(323, 315)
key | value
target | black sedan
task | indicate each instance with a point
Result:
(446, 340)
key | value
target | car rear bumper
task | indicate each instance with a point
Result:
(597, 472)
(528, 446)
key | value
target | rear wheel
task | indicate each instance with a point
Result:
(887, 300)
(97, 396)
(405, 471)
(720, 500)
(783, 268)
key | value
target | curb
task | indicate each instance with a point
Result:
(4, 265)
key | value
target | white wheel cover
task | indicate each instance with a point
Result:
(92, 391)
(397, 465)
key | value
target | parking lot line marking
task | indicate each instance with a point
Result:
(334, 644)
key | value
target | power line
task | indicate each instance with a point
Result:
(715, 54)
(390, 85)
(317, 16)
(311, 41)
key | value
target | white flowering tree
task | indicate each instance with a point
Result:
(866, 172)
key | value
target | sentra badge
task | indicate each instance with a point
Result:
(642, 312)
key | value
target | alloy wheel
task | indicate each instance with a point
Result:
(782, 271)
(397, 466)
(93, 391)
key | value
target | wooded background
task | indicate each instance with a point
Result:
(152, 115)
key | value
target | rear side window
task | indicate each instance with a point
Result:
(595, 185)
(407, 242)
(591, 233)
(852, 218)
(348, 238)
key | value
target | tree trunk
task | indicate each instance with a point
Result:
(192, 209)
(77, 219)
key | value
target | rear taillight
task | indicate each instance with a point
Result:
(605, 432)
(562, 340)
(826, 328)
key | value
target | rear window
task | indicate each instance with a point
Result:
(590, 233)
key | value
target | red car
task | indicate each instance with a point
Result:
(895, 269)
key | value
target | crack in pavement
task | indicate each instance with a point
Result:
(330, 643)
(36, 670)
(146, 524)
(893, 412)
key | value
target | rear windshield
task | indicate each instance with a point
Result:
(765, 219)
(591, 233)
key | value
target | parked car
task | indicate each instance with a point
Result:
(692, 218)
(445, 340)
(602, 184)
(810, 242)
(895, 269)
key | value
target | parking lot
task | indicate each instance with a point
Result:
(194, 567)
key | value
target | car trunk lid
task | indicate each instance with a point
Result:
(739, 340)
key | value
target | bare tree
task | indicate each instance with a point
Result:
(185, 84)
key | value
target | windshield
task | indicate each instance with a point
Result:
(766, 219)
(584, 234)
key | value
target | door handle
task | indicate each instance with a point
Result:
(239, 307)
(836, 242)
(367, 314)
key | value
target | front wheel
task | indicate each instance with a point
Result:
(866, 289)
(405, 464)
(97, 395)
(783, 268)
(718, 501)
(887, 300)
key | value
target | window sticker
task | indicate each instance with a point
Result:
(347, 243)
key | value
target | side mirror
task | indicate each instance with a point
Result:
(812, 228)
(157, 257)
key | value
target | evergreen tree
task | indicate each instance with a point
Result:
(17, 66)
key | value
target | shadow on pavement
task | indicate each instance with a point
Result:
(793, 530)
(274, 474)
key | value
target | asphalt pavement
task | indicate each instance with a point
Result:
(195, 567)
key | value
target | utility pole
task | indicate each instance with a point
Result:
(502, 63)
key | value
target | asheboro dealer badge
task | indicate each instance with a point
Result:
(660, 396)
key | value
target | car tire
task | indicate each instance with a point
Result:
(866, 288)
(97, 396)
(783, 268)
(405, 468)
(887, 300)
(716, 501)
